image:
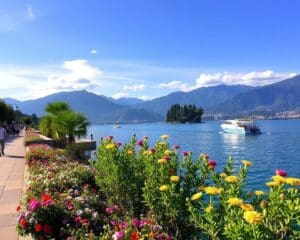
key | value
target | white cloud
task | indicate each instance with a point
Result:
(256, 78)
(134, 88)
(79, 75)
(30, 14)
(120, 95)
(178, 85)
(94, 51)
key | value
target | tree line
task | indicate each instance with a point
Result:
(7, 113)
(183, 114)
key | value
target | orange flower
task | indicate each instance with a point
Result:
(134, 236)
(151, 234)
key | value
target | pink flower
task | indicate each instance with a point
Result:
(142, 223)
(123, 224)
(34, 204)
(281, 172)
(135, 222)
(109, 210)
(184, 153)
(119, 144)
(118, 235)
(140, 143)
(212, 164)
(176, 147)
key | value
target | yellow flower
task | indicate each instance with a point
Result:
(292, 181)
(209, 209)
(168, 152)
(259, 193)
(272, 184)
(130, 152)
(235, 201)
(175, 178)
(110, 146)
(223, 175)
(213, 190)
(247, 207)
(247, 163)
(196, 196)
(279, 179)
(147, 153)
(162, 160)
(164, 137)
(163, 188)
(232, 179)
(253, 217)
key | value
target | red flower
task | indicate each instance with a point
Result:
(134, 236)
(46, 199)
(281, 172)
(18, 208)
(23, 223)
(38, 227)
(47, 229)
(212, 164)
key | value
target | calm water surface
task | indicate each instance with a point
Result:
(277, 147)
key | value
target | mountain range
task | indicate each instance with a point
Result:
(221, 99)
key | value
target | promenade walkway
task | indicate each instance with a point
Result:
(11, 185)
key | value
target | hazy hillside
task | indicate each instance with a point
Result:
(205, 97)
(127, 101)
(97, 108)
(238, 99)
(280, 96)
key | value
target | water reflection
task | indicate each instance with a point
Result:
(233, 140)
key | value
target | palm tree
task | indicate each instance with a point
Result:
(62, 123)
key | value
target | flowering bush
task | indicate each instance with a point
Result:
(189, 199)
(134, 229)
(31, 135)
(222, 210)
(134, 191)
(42, 154)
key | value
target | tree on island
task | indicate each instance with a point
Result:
(183, 114)
(62, 123)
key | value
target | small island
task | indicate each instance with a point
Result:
(184, 114)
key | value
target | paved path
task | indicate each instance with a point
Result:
(11, 185)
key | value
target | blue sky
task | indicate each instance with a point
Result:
(144, 49)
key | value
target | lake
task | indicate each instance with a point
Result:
(277, 147)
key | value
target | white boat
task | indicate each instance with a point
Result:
(116, 126)
(240, 126)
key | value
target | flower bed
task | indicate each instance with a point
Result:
(134, 191)
(34, 137)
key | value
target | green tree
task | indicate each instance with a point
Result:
(185, 113)
(7, 113)
(62, 123)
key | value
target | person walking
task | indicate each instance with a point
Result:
(3, 135)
